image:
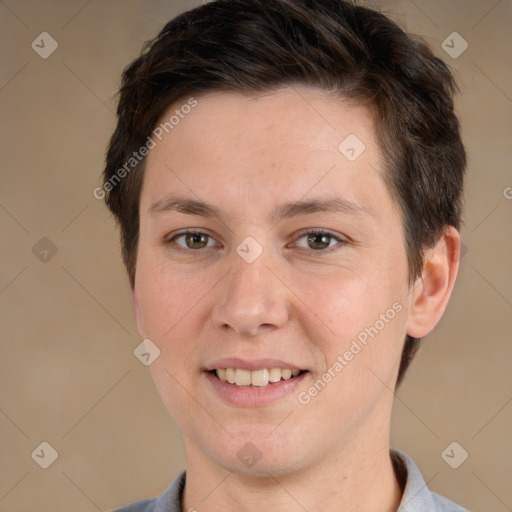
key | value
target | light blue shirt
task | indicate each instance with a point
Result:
(416, 497)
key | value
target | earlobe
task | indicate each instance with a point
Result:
(138, 314)
(432, 290)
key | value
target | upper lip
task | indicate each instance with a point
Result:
(254, 364)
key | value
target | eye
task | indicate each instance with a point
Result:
(319, 240)
(192, 240)
(316, 240)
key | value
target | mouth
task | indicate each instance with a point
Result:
(258, 378)
(254, 382)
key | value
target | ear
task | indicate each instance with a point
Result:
(138, 314)
(432, 290)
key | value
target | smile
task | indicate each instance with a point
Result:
(256, 378)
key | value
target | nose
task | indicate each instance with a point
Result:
(251, 299)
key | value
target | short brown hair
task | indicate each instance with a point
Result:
(352, 51)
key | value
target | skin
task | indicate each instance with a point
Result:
(296, 302)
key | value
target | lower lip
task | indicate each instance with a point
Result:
(254, 396)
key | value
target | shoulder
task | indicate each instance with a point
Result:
(445, 505)
(417, 497)
(169, 501)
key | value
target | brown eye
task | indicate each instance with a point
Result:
(190, 240)
(196, 240)
(319, 241)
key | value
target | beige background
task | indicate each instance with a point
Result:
(68, 375)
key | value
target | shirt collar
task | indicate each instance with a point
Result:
(416, 495)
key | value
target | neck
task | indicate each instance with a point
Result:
(357, 478)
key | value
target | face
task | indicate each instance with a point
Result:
(295, 259)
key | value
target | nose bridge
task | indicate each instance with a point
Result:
(251, 298)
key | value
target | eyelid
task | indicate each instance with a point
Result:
(199, 231)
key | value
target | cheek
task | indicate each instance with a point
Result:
(176, 305)
(364, 328)
(173, 307)
(358, 316)
(167, 297)
(347, 300)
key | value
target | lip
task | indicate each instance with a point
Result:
(254, 396)
(251, 365)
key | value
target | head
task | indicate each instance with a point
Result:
(263, 94)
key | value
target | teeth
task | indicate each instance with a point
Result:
(275, 374)
(258, 378)
(286, 374)
(242, 377)
(230, 375)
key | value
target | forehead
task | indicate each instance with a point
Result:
(288, 141)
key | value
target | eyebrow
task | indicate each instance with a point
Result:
(330, 204)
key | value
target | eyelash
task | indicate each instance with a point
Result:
(171, 241)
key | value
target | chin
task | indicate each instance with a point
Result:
(259, 457)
